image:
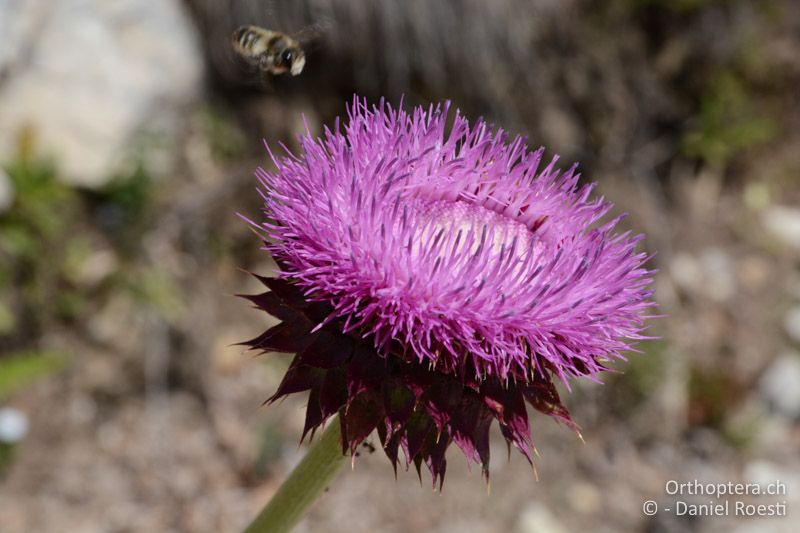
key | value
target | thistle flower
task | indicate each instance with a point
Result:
(434, 280)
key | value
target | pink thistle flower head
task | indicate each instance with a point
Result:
(433, 280)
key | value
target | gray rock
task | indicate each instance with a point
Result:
(13, 425)
(89, 76)
(765, 472)
(780, 384)
(536, 518)
(18, 19)
(718, 270)
(784, 224)
(711, 273)
(685, 271)
(791, 322)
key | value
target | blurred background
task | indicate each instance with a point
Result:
(129, 133)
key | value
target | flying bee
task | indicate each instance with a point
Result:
(271, 51)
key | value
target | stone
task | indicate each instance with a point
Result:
(584, 498)
(791, 323)
(685, 271)
(783, 223)
(13, 425)
(765, 472)
(719, 274)
(90, 79)
(18, 21)
(536, 518)
(711, 273)
(96, 268)
(780, 384)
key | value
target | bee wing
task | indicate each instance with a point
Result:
(312, 34)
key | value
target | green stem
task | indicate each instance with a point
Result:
(304, 484)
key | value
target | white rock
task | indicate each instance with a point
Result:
(6, 191)
(685, 271)
(712, 273)
(784, 223)
(791, 322)
(13, 425)
(766, 472)
(780, 384)
(92, 76)
(536, 518)
(585, 498)
(718, 271)
(18, 21)
(96, 267)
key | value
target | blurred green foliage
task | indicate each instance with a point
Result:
(640, 376)
(225, 138)
(34, 237)
(711, 393)
(645, 372)
(121, 208)
(7, 318)
(51, 231)
(727, 122)
(48, 239)
(131, 193)
(41, 206)
(6, 456)
(742, 432)
(269, 452)
(23, 368)
(156, 290)
(19, 370)
(714, 403)
(730, 90)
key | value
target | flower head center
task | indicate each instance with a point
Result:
(460, 229)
